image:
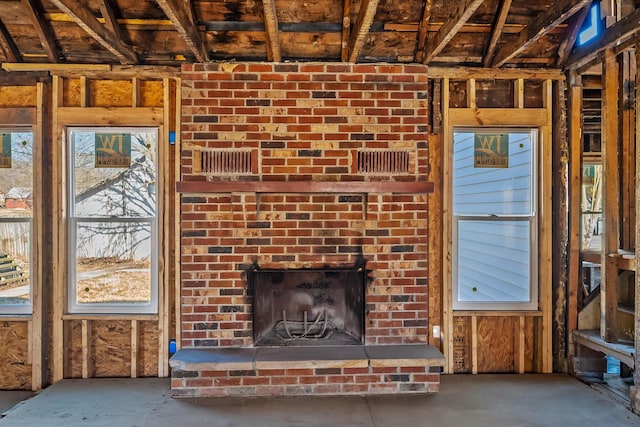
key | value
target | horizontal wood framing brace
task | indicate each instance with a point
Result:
(498, 116)
(467, 313)
(23, 66)
(23, 79)
(139, 317)
(16, 318)
(17, 116)
(303, 187)
(112, 116)
(455, 73)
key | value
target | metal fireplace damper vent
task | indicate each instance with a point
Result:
(308, 307)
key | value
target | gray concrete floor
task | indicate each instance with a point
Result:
(477, 401)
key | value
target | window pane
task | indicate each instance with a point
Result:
(591, 205)
(14, 263)
(113, 262)
(479, 189)
(16, 211)
(494, 261)
(114, 173)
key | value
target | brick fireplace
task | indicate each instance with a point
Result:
(295, 167)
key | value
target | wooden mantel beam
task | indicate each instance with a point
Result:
(271, 27)
(180, 13)
(304, 187)
(450, 28)
(496, 31)
(555, 15)
(43, 29)
(366, 14)
(88, 22)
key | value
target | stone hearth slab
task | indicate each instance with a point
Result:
(404, 355)
(201, 359)
(311, 357)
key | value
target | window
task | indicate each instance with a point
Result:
(591, 205)
(591, 27)
(494, 219)
(16, 214)
(112, 220)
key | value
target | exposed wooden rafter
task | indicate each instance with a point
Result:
(423, 30)
(43, 29)
(271, 27)
(618, 32)
(346, 30)
(88, 22)
(181, 14)
(556, 15)
(573, 30)
(110, 19)
(450, 28)
(9, 48)
(496, 31)
(361, 28)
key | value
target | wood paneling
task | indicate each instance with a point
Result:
(497, 344)
(14, 355)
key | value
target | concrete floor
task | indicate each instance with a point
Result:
(478, 401)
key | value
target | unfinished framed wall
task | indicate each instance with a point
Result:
(113, 345)
(109, 345)
(24, 104)
(483, 341)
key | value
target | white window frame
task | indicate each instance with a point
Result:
(532, 303)
(75, 307)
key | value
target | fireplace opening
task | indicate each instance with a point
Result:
(308, 306)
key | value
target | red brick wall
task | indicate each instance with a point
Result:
(303, 122)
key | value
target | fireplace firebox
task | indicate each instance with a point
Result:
(308, 306)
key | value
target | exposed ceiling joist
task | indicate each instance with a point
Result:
(450, 28)
(110, 20)
(88, 22)
(555, 15)
(9, 48)
(366, 14)
(573, 29)
(271, 27)
(620, 31)
(181, 14)
(43, 29)
(423, 30)
(496, 31)
(346, 28)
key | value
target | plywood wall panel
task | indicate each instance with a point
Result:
(148, 349)
(71, 93)
(461, 345)
(532, 337)
(151, 93)
(497, 344)
(18, 96)
(110, 93)
(14, 364)
(73, 345)
(111, 348)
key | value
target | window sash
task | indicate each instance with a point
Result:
(76, 221)
(23, 308)
(484, 284)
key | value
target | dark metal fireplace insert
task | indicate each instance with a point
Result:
(308, 306)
